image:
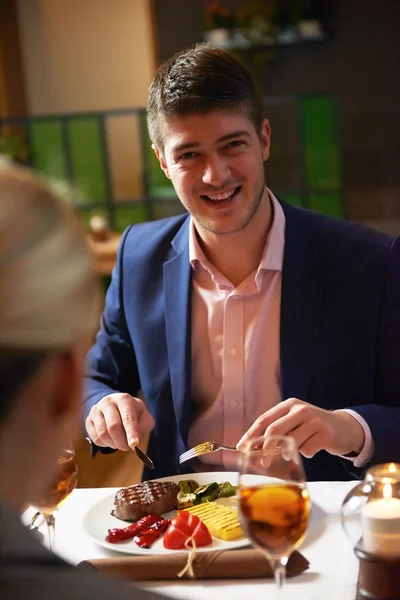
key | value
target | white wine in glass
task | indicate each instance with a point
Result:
(63, 484)
(274, 504)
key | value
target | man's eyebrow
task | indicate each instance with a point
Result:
(185, 146)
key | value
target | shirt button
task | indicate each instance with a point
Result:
(234, 404)
(233, 351)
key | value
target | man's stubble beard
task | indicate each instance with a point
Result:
(252, 213)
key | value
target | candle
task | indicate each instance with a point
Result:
(381, 524)
(98, 223)
(99, 228)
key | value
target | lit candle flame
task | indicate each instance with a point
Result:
(387, 491)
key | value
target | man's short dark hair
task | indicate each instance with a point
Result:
(200, 80)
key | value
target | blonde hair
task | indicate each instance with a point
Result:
(49, 295)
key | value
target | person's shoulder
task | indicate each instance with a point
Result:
(339, 233)
(149, 244)
(153, 232)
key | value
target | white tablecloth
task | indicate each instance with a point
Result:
(333, 567)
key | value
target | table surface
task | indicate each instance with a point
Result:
(333, 567)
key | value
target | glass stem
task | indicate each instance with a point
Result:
(279, 567)
(51, 530)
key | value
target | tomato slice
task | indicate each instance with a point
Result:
(183, 527)
(174, 538)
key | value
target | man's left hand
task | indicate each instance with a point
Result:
(312, 428)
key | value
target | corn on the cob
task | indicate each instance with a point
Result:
(221, 521)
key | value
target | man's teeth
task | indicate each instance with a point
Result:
(223, 196)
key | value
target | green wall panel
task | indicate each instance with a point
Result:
(321, 148)
(87, 160)
(328, 204)
(46, 147)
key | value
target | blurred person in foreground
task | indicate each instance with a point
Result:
(248, 316)
(49, 305)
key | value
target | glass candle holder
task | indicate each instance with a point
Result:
(371, 512)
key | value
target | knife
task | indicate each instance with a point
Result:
(144, 458)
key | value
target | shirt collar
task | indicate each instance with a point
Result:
(272, 257)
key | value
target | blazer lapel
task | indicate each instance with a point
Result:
(301, 305)
(177, 288)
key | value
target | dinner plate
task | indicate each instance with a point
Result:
(98, 519)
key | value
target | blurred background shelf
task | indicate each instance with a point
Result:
(80, 154)
(105, 253)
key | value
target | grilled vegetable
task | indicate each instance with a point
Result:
(185, 500)
(118, 535)
(147, 537)
(206, 493)
(187, 486)
(221, 521)
(191, 494)
(226, 489)
(186, 495)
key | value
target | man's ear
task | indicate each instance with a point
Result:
(265, 139)
(162, 161)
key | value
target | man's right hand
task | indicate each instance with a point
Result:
(118, 421)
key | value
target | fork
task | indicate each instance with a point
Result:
(204, 448)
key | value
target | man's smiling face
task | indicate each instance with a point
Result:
(216, 164)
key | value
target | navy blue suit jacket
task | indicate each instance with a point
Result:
(340, 331)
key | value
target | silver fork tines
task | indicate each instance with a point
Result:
(204, 448)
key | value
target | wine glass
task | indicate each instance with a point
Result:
(274, 504)
(64, 482)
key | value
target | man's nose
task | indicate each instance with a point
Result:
(216, 172)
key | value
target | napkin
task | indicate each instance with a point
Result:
(222, 564)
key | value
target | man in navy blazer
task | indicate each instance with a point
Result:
(340, 292)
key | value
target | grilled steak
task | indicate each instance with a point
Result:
(151, 497)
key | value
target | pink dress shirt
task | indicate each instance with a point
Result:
(236, 349)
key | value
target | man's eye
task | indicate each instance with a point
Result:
(187, 155)
(235, 144)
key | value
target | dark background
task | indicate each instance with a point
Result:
(359, 65)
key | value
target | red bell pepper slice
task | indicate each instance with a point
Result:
(148, 536)
(118, 535)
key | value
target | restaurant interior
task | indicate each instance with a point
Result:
(74, 79)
